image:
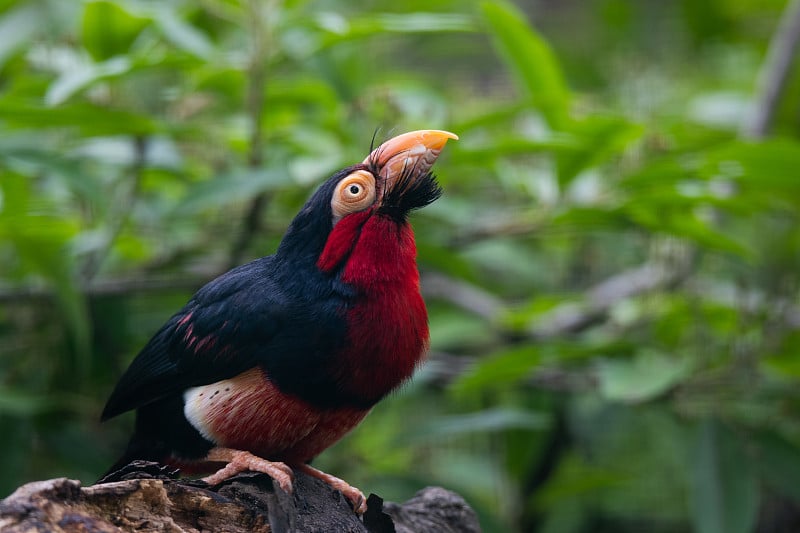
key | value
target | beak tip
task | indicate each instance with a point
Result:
(435, 139)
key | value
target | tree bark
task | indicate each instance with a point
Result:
(145, 497)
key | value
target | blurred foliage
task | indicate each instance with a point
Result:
(612, 274)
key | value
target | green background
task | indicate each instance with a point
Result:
(612, 274)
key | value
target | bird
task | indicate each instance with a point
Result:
(275, 360)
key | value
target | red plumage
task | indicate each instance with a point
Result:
(388, 330)
(239, 413)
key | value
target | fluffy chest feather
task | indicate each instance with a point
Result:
(387, 324)
(248, 412)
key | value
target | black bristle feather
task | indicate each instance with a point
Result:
(409, 193)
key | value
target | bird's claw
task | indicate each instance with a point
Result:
(358, 500)
(241, 461)
(355, 496)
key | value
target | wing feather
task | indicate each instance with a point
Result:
(221, 332)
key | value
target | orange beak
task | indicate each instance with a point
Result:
(415, 151)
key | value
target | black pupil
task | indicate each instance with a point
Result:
(355, 189)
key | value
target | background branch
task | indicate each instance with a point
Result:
(774, 73)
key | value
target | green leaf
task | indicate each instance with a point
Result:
(455, 330)
(340, 28)
(783, 360)
(108, 29)
(488, 420)
(237, 186)
(586, 219)
(646, 376)
(660, 172)
(90, 120)
(672, 214)
(507, 145)
(574, 478)
(419, 22)
(434, 255)
(497, 370)
(23, 403)
(770, 164)
(531, 60)
(779, 464)
(497, 115)
(75, 80)
(41, 246)
(17, 27)
(724, 488)
(182, 34)
(598, 139)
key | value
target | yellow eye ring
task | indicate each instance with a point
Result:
(354, 193)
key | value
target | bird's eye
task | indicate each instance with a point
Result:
(354, 193)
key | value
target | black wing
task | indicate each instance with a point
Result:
(220, 333)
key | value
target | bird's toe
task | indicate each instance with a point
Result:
(241, 461)
(355, 496)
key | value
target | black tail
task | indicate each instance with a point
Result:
(161, 432)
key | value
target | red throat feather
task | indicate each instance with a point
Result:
(388, 328)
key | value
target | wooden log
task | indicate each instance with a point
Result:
(145, 497)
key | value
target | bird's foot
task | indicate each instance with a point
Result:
(240, 461)
(355, 496)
